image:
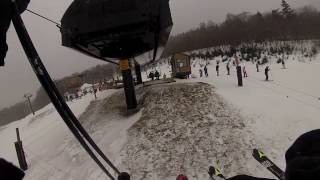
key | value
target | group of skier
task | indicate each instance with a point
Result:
(205, 70)
(302, 158)
(244, 70)
(152, 75)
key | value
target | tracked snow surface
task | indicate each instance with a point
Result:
(184, 128)
(181, 127)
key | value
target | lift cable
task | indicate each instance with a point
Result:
(43, 17)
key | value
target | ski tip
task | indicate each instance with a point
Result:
(258, 153)
(215, 172)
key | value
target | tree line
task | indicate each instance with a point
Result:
(21, 109)
(281, 24)
(258, 51)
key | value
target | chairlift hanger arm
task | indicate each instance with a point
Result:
(59, 26)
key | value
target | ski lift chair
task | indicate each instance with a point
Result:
(117, 29)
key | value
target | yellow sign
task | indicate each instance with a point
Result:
(124, 65)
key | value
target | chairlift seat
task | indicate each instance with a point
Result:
(116, 28)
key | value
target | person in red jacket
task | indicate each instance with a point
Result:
(6, 11)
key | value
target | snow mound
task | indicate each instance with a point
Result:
(184, 128)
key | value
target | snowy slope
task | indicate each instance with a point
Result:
(46, 140)
(280, 110)
(185, 128)
(277, 111)
(180, 128)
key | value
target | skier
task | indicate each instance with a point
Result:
(95, 93)
(283, 64)
(257, 66)
(236, 60)
(239, 71)
(157, 75)
(5, 19)
(266, 72)
(244, 72)
(200, 71)
(228, 68)
(217, 68)
(206, 70)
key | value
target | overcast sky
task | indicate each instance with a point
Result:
(17, 78)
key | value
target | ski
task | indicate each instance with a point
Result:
(215, 173)
(266, 162)
(56, 98)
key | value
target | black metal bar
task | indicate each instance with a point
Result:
(128, 84)
(30, 105)
(53, 93)
(18, 134)
(138, 72)
(239, 76)
(20, 152)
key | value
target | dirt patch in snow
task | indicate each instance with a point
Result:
(184, 128)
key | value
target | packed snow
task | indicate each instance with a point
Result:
(281, 109)
(182, 127)
(185, 128)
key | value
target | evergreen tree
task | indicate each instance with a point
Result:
(287, 11)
